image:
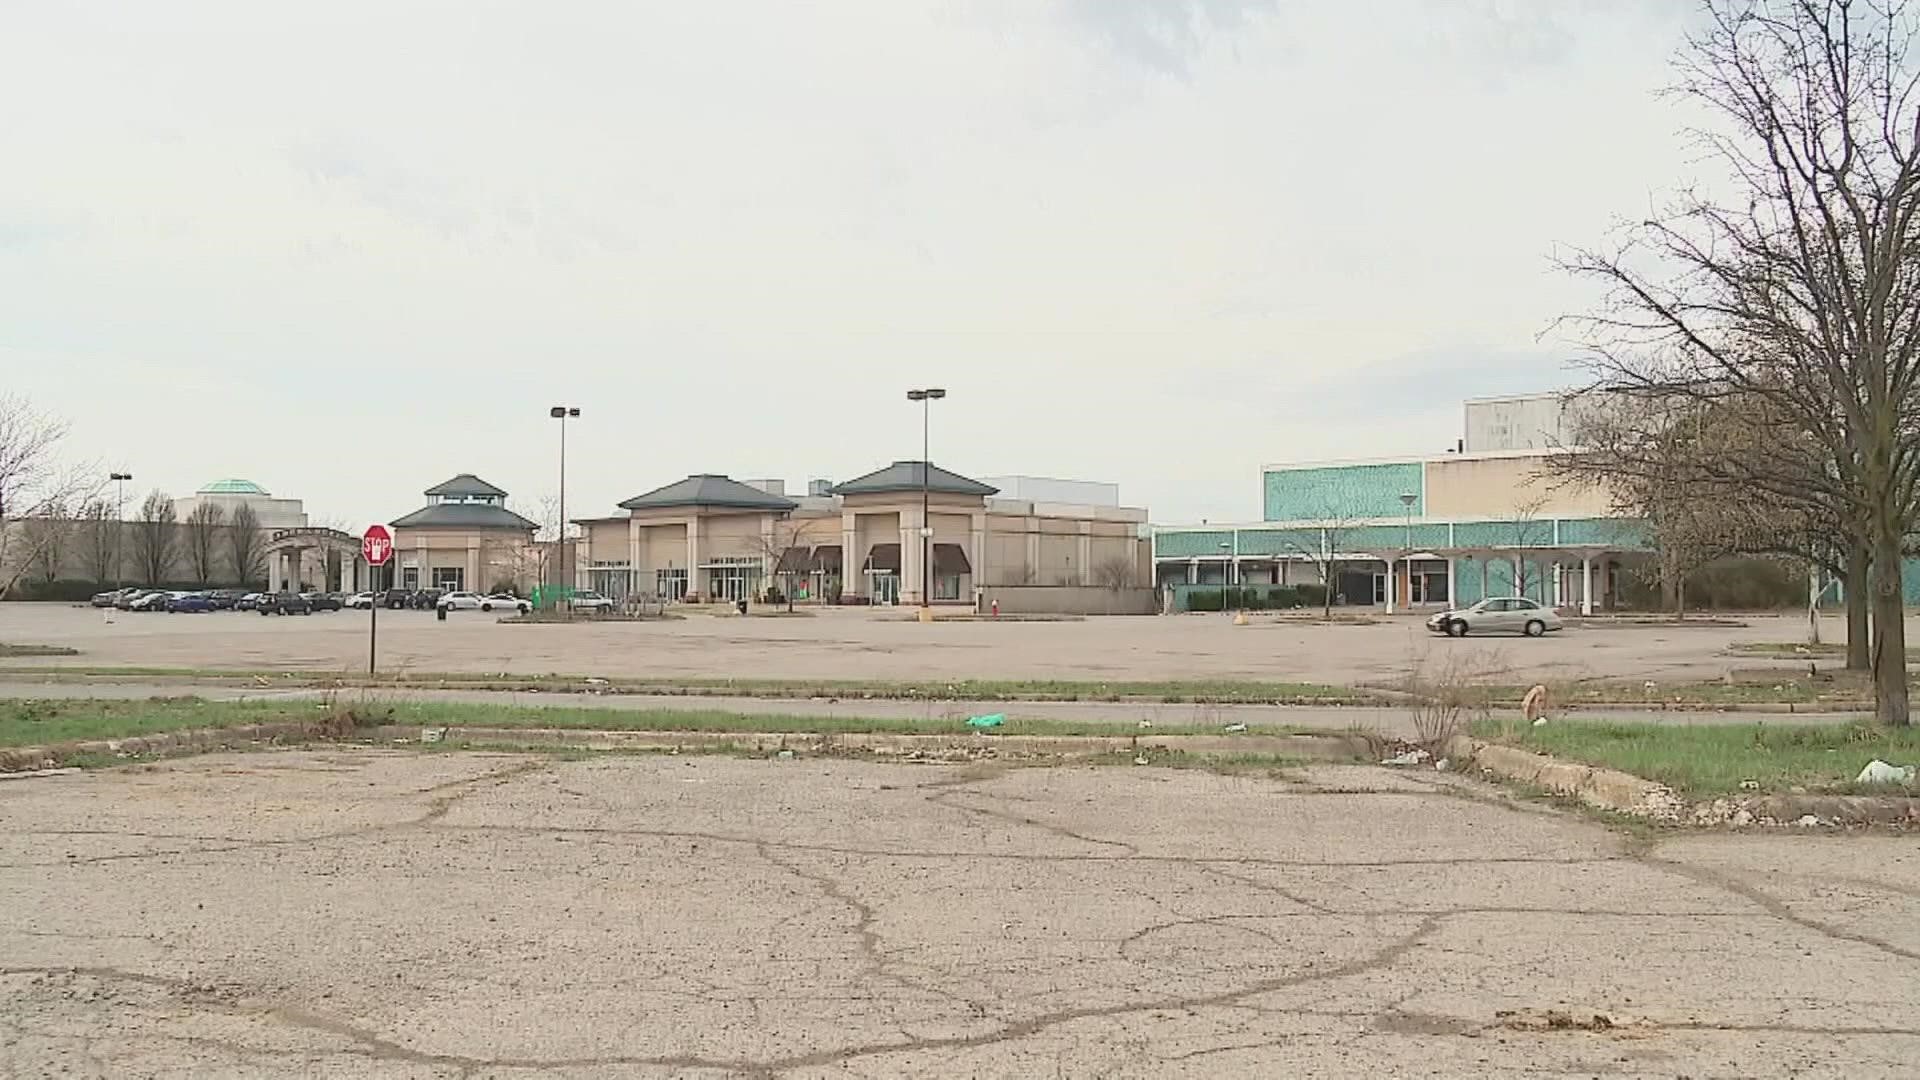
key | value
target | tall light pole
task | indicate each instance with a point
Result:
(119, 511)
(925, 398)
(562, 586)
(1226, 576)
(1407, 499)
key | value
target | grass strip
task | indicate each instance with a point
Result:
(1712, 760)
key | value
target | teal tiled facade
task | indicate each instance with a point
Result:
(1342, 491)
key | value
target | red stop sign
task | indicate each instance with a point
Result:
(376, 545)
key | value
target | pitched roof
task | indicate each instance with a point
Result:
(905, 476)
(464, 516)
(708, 489)
(465, 484)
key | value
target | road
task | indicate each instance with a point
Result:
(391, 914)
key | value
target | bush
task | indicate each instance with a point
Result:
(774, 596)
(1206, 599)
(1311, 594)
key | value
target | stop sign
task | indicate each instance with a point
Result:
(377, 545)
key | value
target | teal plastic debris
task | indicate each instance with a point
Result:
(989, 720)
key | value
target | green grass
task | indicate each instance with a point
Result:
(7, 650)
(31, 723)
(1185, 690)
(1710, 760)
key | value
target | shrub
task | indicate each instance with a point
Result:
(1206, 600)
(774, 596)
(1311, 594)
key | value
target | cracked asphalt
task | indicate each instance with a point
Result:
(393, 913)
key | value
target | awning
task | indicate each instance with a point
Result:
(792, 561)
(826, 559)
(883, 559)
(951, 559)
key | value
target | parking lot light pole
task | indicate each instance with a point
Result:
(925, 398)
(119, 511)
(562, 413)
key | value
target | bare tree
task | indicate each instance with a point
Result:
(1530, 531)
(96, 536)
(785, 549)
(1324, 544)
(45, 535)
(1114, 572)
(246, 549)
(1799, 291)
(155, 532)
(201, 533)
(34, 484)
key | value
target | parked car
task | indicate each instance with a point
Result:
(588, 600)
(359, 601)
(192, 602)
(248, 602)
(226, 599)
(322, 601)
(1498, 615)
(286, 603)
(505, 602)
(152, 600)
(128, 597)
(110, 598)
(427, 599)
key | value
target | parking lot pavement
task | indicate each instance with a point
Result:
(858, 644)
(395, 913)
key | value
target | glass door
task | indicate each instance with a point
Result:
(886, 588)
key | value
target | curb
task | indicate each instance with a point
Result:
(1625, 793)
(934, 746)
(1607, 789)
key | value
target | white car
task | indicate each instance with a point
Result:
(358, 600)
(157, 600)
(1496, 615)
(588, 600)
(469, 601)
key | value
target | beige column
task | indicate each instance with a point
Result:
(693, 557)
(634, 582)
(977, 550)
(1085, 576)
(910, 522)
(850, 578)
(474, 584)
(1033, 553)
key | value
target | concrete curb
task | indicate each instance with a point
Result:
(934, 746)
(1607, 789)
(1611, 789)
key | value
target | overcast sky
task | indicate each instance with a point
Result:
(350, 249)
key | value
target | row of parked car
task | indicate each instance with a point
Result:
(200, 600)
(291, 603)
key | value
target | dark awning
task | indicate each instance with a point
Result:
(826, 558)
(884, 558)
(951, 559)
(792, 561)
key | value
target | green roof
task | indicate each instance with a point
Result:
(233, 487)
(908, 476)
(709, 489)
(466, 485)
(464, 516)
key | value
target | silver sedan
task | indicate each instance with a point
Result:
(1498, 615)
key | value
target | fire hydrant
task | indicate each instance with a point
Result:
(996, 609)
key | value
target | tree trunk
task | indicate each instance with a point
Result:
(1889, 630)
(1856, 582)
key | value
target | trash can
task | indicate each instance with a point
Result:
(741, 605)
(440, 612)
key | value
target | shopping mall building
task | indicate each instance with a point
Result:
(1431, 530)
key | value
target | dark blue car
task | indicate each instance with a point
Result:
(191, 602)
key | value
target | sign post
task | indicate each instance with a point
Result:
(376, 546)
